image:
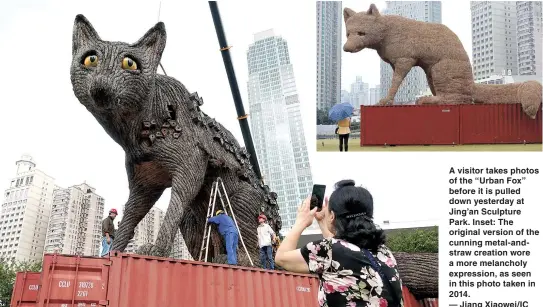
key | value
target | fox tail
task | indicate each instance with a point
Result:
(528, 94)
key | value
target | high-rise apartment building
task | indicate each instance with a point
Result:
(345, 96)
(375, 93)
(329, 49)
(360, 93)
(25, 212)
(494, 38)
(276, 123)
(415, 82)
(179, 249)
(147, 232)
(529, 33)
(75, 225)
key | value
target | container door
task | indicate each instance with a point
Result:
(26, 289)
(74, 281)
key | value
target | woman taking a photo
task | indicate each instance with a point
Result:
(354, 266)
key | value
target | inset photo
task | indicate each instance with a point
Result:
(428, 76)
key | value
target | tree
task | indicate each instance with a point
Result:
(322, 117)
(414, 241)
(8, 271)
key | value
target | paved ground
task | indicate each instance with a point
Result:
(354, 145)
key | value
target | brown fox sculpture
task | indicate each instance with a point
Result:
(404, 43)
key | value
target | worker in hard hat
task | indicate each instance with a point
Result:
(227, 228)
(266, 236)
(108, 232)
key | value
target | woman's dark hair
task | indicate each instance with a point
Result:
(353, 209)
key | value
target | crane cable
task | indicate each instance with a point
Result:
(158, 19)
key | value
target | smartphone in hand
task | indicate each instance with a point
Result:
(317, 196)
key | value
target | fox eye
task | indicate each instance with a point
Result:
(90, 61)
(361, 33)
(129, 64)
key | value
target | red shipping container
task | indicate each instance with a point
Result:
(25, 289)
(498, 124)
(132, 280)
(70, 281)
(409, 125)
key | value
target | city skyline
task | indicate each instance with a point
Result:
(62, 220)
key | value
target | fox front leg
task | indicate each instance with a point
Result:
(187, 180)
(145, 189)
(401, 68)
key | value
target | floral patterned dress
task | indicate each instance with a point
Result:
(347, 277)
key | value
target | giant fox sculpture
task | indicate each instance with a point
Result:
(404, 43)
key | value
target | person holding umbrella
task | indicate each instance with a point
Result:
(342, 113)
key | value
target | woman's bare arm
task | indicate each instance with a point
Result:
(288, 256)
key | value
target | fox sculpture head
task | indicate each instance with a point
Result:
(114, 79)
(363, 29)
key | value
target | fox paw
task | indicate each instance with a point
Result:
(385, 102)
(428, 100)
(151, 250)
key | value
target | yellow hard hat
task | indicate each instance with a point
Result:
(219, 212)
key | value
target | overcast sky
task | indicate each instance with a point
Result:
(454, 14)
(41, 116)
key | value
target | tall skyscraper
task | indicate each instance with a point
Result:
(360, 93)
(276, 123)
(75, 225)
(375, 93)
(529, 32)
(147, 232)
(25, 212)
(415, 82)
(494, 38)
(329, 49)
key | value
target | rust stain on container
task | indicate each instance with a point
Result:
(409, 125)
(498, 124)
(26, 289)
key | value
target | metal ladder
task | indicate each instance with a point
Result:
(210, 210)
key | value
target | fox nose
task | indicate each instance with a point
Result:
(101, 95)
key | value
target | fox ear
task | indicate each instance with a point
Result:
(348, 13)
(83, 33)
(153, 42)
(373, 10)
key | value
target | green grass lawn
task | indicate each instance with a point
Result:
(354, 145)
